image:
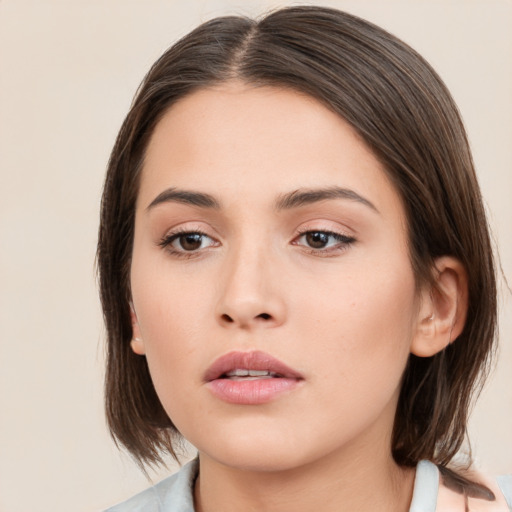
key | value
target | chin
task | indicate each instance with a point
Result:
(257, 459)
(263, 451)
(252, 449)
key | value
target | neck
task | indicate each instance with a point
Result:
(333, 484)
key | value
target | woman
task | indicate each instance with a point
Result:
(296, 273)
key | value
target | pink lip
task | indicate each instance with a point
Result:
(250, 392)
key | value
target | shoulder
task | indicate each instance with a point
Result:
(505, 484)
(502, 490)
(432, 495)
(172, 494)
(500, 487)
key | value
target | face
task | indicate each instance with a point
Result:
(272, 289)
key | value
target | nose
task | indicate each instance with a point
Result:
(251, 294)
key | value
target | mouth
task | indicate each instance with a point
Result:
(242, 374)
(249, 365)
(250, 378)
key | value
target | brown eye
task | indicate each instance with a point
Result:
(187, 242)
(190, 241)
(324, 241)
(317, 239)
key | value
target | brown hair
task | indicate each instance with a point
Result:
(403, 111)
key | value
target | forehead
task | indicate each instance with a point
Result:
(236, 139)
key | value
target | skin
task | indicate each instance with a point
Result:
(346, 316)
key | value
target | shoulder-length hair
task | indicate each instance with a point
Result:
(405, 114)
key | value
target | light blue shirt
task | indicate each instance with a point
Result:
(175, 494)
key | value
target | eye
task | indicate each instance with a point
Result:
(323, 240)
(187, 241)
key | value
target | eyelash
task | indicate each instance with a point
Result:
(344, 242)
(167, 240)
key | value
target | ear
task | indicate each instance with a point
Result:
(137, 343)
(443, 308)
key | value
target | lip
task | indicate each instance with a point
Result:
(252, 391)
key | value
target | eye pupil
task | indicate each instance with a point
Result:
(317, 239)
(191, 241)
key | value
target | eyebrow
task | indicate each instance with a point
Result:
(289, 201)
(173, 195)
(303, 197)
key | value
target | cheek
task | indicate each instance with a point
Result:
(363, 337)
(363, 324)
(169, 327)
(167, 313)
(172, 351)
(167, 303)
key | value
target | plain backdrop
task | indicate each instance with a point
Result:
(68, 71)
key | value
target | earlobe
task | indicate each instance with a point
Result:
(137, 344)
(443, 308)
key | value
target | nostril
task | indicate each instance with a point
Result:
(243, 320)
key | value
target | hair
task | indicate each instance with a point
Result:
(403, 111)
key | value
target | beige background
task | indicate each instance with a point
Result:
(68, 70)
